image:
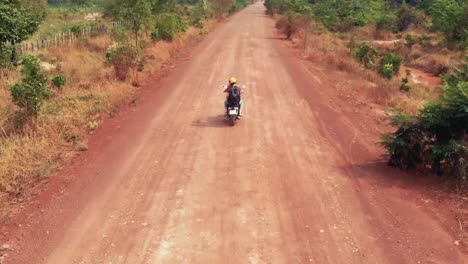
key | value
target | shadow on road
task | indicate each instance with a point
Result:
(277, 38)
(380, 174)
(213, 121)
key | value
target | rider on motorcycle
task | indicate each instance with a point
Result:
(232, 83)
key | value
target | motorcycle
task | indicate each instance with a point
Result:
(233, 114)
(233, 111)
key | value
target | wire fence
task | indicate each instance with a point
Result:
(64, 38)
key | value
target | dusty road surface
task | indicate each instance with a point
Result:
(292, 182)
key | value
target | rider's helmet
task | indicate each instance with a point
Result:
(232, 80)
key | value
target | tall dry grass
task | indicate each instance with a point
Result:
(62, 128)
(352, 79)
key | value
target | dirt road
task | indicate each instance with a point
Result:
(293, 182)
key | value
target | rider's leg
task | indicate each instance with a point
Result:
(241, 106)
(226, 105)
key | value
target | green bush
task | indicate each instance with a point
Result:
(197, 22)
(32, 91)
(7, 57)
(237, 5)
(76, 29)
(365, 54)
(410, 40)
(386, 22)
(386, 70)
(203, 10)
(450, 17)
(123, 58)
(437, 136)
(389, 64)
(59, 81)
(422, 40)
(167, 26)
(404, 82)
(406, 16)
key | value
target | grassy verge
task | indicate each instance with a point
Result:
(91, 95)
(62, 19)
(331, 51)
(364, 85)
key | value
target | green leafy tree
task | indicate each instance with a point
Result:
(18, 20)
(220, 7)
(446, 15)
(167, 26)
(138, 14)
(32, 91)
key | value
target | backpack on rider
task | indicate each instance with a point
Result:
(234, 96)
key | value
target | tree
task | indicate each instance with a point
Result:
(18, 20)
(33, 90)
(137, 13)
(137, 16)
(220, 6)
(445, 16)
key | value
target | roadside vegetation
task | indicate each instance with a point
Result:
(374, 40)
(52, 99)
(410, 57)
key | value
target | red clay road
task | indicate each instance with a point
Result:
(292, 182)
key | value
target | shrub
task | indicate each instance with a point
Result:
(406, 16)
(386, 22)
(404, 82)
(389, 64)
(167, 26)
(32, 91)
(76, 29)
(59, 81)
(202, 10)
(197, 22)
(386, 70)
(286, 26)
(123, 57)
(236, 5)
(451, 18)
(7, 57)
(410, 40)
(423, 39)
(365, 54)
(437, 136)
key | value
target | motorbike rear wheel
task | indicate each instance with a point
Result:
(233, 119)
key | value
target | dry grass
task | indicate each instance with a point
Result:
(353, 80)
(65, 121)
